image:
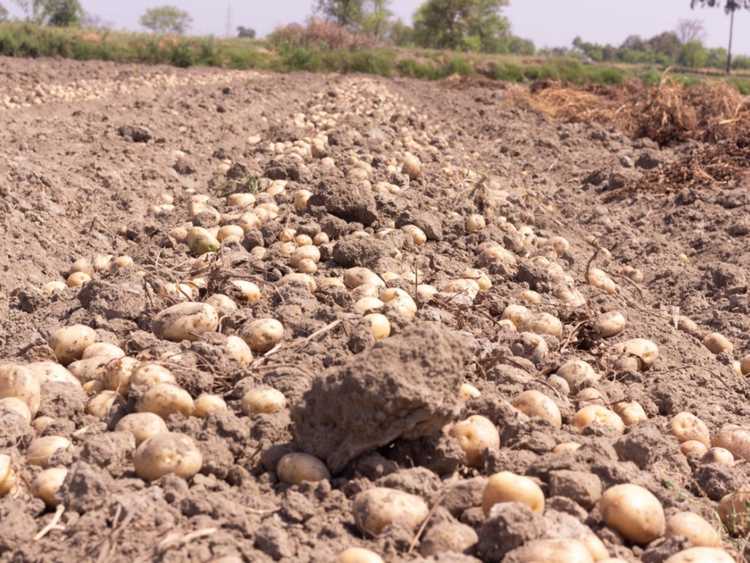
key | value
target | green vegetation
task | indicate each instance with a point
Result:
(166, 19)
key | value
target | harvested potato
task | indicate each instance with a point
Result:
(185, 321)
(166, 453)
(301, 199)
(247, 291)
(634, 512)
(77, 279)
(46, 484)
(238, 350)
(41, 450)
(19, 382)
(549, 550)
(645, 350)
(467, 392)
(200, 241)
(536, 404)
(7, 475)
(468, 287)
(590, 396)
(230, 232)
(100, 405)
(566, 448)
(355, 277)
(695, 528)
(206, 405)
(399, 301)
(610, 324)
(601, 280)
(578, 374)
(630, 412)
(296, 468)
(263, 400)
(509, 487)
(380, 326)
(559, 383)
(148, 374)
(165, 399)
(69, 342)
(518, 314)
(377, 508)
(693, 449)
(368, 305)
(530, 296)
(416, 234)
(117, 374)
(719, 456)
(262, 334)
(358, 555)
(90, 369)
(223, 304)
(142, 425)
(411, 165)
(686, 426)
(475, 223)
(701, 555)
(734, 438)
(18, 406)
(544, 323)
(598, 414)
(103, 350)
(718, 343)
(55, 286)
(476, 434)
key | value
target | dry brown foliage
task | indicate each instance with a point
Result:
(320, 34)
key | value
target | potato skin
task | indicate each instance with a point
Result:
(185, 321)
(509, 487)
(377, 508)
(166, 453)
(634, 512)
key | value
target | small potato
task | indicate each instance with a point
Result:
(411, 166)
(377, 508)
(551, 550)
(241, 200)
(600, 415)
(601, 280)
(41, 450)
(166, 399)
(185, 321)
(475, 223)
(368, 305)
(100, 405)
(560, 245)
(296, 468)
(263, 400)
(701, 555)
(544, 323)
(200, 241)
(399, 301)
(734, 511)
(206, 405)
(117, 374)
(610, 324)
(468, 287)
(46, 484)
(494, 255)
(301, 199)
(248, 291)
(719, 456)
(467, 392)
(530, 296)
(355, 277)
(519, 314)
(142, 425)
(718, 343)
(634, 512)
(82, 265)
(238, 350)
(90, 369)
(7, 475)
(55, 286)
(417, 235)
(566, 448)
(734, 438)
(474, 435)
(590, 396)
(19, 382)
(380, 326)
(699, 532)
(686, 426)
(262, 334)
(68, 343)
(630, 412)
(536, 404)
(358, 555)
(559, 383)
(166, 453)
(693, 449)
(16, 405)
(645, 350)
(102, 350)
(578, 374)
(223, 304)
(148, 374)
(509, 487)
(745, 365)
(230, 232)
(41, 423)
(77, 279)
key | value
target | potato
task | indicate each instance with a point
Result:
(102, 350)
(230, 232)
(302, 199)
(411, 166)
(142, 425)
(380, 326)
(248, 291)
(494, 255)
(355, 277)
(578, 374)
(185, 321)
(377, 508)
(367, 305)
(263, 400)
(601, 280)
(262, 334)
(559, 383)
(358, 555)
(16, 405)
(148, 374)
(166, 399)
(417, 235)
(701, 555)
(82, 265)
(296, 468)
(467, 287)
(634, 512)
(544, 323)
(720, 456)
(200, 241)
(560, 245)
(117, 374)
(223, 304)
(566, 448)
(718, 343)
(55, 286)
(530, 296)
(100, 405)
(610, 324)
(536, 404)
(7, 475)
(474, 435)
(598, 414)
(590, 396)
(166, 453)
(699, 532)
(552, 550)
(241, 200)
(519, 314)
(467, 392)
(41, 423)
(19, 382)
(734, 438)
(77, 279)
(68, 343)
(570, 297)
(475, 223)
(693, 449)
(180, 291)
(399, 301)
(686, 426)
(41, 450)
(630, 412)
(206, 405)
(46, 484)
(509, 487)
(122, 263)
(645, 350)
(90, 369)
(301, 279)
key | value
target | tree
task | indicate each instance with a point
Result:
(376, 18)
(60, 13)
(166, 19)
(348, 13)
(730, 7)
(246, 32)
(690, 30)
(461, 24)
(3, 13)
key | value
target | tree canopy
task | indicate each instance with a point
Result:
(729, 5)
(166, 19)
(3, 13)
(348, 13)
(461, 24)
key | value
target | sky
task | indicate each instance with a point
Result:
(549, 23)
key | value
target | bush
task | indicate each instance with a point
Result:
(319, 34)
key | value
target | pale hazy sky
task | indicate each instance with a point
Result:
(548, 22)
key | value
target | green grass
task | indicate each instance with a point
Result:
(27, 40)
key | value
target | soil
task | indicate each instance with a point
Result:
(88, 150)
